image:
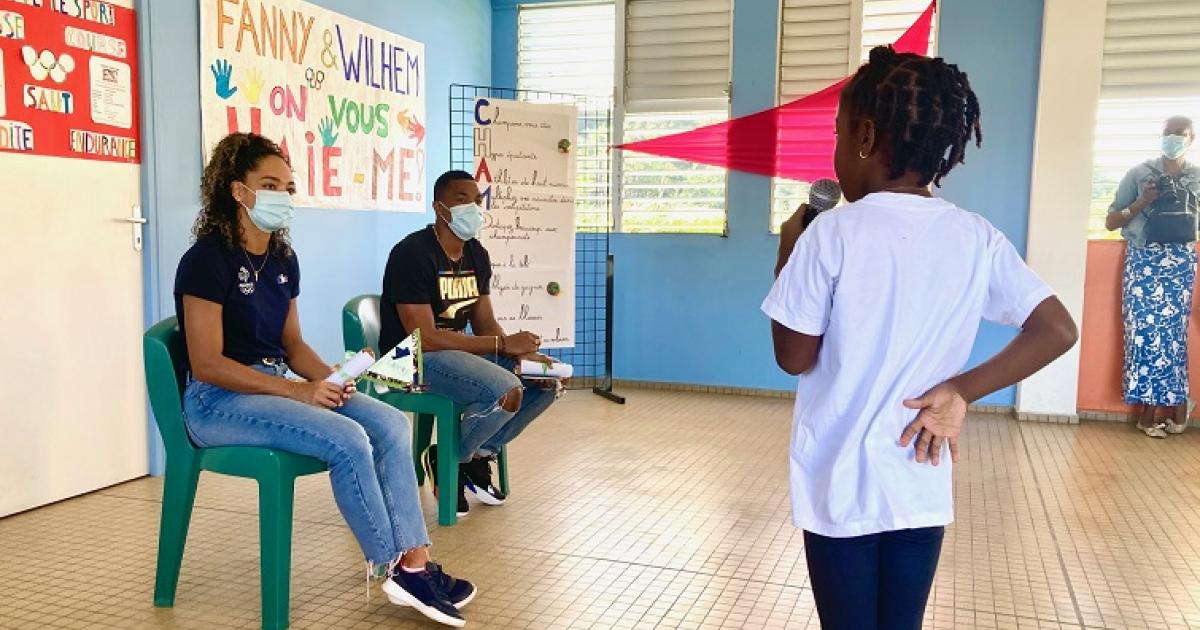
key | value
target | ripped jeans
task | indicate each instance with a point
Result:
(366, 444)
(478, 383)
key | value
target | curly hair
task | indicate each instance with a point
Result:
(234, 156)
(923, 108)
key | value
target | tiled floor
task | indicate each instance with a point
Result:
(669, 512)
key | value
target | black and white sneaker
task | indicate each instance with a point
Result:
(425, 591)
(430, 462)
(479, 481)
(464, 508)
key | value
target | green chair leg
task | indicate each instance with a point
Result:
(422, 438)
(179, 494)
(275, 499)
(502, 464)
(448, 445)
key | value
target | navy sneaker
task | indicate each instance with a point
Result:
(430, 462)
(424, 591)
(460, 592)
(479, 479)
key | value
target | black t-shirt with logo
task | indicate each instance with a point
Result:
(419, 272)
(253, 309)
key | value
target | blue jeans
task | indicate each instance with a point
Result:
(478, 384)
(880, 581)
(366, 444)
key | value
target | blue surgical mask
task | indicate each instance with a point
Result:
(466, 220)
(1175, 146)
(272, 211)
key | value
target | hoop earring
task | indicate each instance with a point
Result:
(863, 156)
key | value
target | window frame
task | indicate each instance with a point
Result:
(611, 212)
(1120, 93)
(618, 131)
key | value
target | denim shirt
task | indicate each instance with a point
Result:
(1131, 187)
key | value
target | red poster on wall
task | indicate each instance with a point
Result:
(69, 80)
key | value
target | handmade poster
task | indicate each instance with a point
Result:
(69, 80)
(344, 99)
(525, 166)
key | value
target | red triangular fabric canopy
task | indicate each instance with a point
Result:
(793, 141)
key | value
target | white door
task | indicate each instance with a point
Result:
(72, 391)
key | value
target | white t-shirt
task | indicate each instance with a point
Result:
(897, 284)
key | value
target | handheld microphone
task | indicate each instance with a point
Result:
(824, 194)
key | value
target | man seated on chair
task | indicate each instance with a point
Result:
(437, 280)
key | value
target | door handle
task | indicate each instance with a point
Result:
(135, 221)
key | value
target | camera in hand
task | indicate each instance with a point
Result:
(1171, 193)
(1174, 216)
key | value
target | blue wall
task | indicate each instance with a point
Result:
(342, 252)
(999, 46)
(714, 285)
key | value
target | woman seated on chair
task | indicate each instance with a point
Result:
(235, 295)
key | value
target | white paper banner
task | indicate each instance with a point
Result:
(345, 99)
(525, 166)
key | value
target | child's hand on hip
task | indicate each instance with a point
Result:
(942, 412)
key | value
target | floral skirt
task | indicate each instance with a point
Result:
(1156, 306)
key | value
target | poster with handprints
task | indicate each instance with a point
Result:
(525, 166)
(68, 80)
(344, 99)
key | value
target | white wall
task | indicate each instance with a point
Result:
(1069, 88)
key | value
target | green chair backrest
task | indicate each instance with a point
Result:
(360, 323)
(164, 357)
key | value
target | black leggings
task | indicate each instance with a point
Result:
(876, 582)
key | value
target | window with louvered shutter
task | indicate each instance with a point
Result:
(1151, 71)
(1151, 48)
(677, 55)
(816, 38)
(814, 45)
(884, 21)
(676, 78)
(569, 49)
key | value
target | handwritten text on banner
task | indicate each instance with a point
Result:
(527, 174)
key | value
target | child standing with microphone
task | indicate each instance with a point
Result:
(877, 308)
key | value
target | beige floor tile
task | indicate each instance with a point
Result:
(669, 512)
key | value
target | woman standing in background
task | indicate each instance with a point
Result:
(1160, 272)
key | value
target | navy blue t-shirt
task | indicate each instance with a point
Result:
(253, 311)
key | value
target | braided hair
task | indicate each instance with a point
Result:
(923, 109)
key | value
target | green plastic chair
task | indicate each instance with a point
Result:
(360, 329)
(276, 473)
